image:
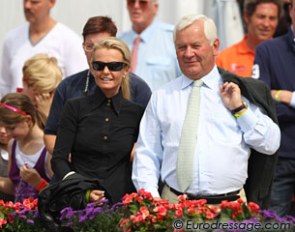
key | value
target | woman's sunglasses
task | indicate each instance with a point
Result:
(112, 66)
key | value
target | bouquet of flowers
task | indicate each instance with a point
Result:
(145, 213)
(141, 212)
(94, 218)
(20, 216)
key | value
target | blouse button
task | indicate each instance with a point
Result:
(107, 119)
(105, 137)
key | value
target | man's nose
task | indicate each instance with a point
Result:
(188, 51)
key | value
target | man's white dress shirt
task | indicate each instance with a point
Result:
(223, 144)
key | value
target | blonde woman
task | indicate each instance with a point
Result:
(41, 76)
(100, 130)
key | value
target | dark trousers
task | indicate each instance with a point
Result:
(283, 186)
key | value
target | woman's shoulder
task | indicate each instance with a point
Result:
(132, 106)
(131, 103)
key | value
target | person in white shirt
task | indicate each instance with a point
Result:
(230, 126)
(41, 34)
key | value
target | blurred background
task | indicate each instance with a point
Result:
(74, 13)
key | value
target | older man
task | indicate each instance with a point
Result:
(151, 42)
(199, 130)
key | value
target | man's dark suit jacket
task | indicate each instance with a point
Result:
(260, 167)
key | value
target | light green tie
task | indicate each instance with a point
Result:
(186, 151)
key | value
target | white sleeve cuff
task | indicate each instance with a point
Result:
(247, 121)
(68, 174)
(292, 102)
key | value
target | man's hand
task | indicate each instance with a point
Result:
(283, 96)
(231, 95)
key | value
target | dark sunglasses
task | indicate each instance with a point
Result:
(112, 66)
(142, 3)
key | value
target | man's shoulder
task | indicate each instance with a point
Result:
(158, 26)
(66, 34)
(253, 82)
(229, 51)
(171, 86)
(65, 28)
(74, 81)
(75, 77)
(271, 44)
(122, 35)
(134, 105)
(17, 32)
(165, 26)
(134, 79)
(231, 77)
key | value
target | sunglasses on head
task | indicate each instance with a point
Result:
(142, 3)
(112, 66)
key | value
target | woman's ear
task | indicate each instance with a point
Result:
(126, 70)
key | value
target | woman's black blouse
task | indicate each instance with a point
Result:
(99, 133)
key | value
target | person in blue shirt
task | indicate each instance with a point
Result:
(156, 58)
(82, 83)
(275, 65)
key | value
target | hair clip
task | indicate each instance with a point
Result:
(14, 109)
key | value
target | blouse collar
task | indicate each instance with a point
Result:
(99, 98)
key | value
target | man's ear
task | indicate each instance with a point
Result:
(52, 3)
(215, 47)
(156, 8)
(246, 18)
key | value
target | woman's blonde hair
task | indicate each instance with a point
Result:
(42, 73)
(114, 43)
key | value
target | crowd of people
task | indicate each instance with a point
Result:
(159, 107)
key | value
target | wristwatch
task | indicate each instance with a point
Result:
(238, 109)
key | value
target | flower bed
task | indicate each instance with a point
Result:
(141, 212)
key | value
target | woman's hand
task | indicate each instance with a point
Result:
(96, 196)
(43, 102)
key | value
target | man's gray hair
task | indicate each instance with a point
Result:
(210, 29)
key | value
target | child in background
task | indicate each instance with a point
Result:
(4, 139)
(41, 76)
(29, 162)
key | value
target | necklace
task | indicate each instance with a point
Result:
(87, 83)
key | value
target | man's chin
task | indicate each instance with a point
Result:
(136, 19)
